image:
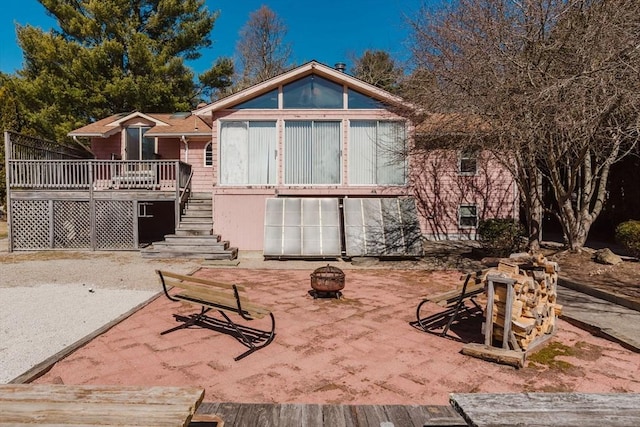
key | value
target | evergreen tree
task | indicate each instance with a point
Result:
(378, 68)
(111, 56)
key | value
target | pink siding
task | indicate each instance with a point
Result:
(239, 218)
(439, 190)
(168, 148)
(193, 153)
(104, 147)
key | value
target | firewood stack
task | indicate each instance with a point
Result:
(533, 301)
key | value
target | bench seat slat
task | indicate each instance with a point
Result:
(207, 282)
(451, 297)
(227, 304)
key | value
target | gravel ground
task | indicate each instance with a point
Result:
(50, 300)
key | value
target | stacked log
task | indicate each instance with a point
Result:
(533, 301)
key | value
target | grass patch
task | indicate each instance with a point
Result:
(3, 229)
(547, 356)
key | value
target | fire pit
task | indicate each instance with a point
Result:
(327, 282)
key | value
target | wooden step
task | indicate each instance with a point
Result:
(199, 247)
(194, 232)
(228, 254)
(198, 214)
(191, 239)
(195, 225)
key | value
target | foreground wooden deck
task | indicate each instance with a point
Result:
(549, 409)
(297, 415)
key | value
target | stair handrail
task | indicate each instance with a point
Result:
(183, 194)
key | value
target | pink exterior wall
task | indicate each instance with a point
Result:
(104, 147)
(193, 153)
(239, 210)
(439, 190)
(168, 148)
(239, 217)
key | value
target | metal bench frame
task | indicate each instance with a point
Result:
(454, 306)
(252, 338)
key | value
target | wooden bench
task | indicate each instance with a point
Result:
(223, 298)
(453, 301)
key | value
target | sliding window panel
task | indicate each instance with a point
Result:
(326, 153)
(262, 153)
(391, 157)
(234, 153)
(362, 152)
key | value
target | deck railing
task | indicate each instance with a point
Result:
(97, 175)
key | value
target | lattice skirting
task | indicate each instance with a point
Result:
(72, 224)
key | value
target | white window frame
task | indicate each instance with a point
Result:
(460, 216)
(221, 156)
(339, 146)
(378, 155)
(125, 141)
(208, 160)
(469, 155)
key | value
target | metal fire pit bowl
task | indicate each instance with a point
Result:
(327, 282)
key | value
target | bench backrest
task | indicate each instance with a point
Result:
(225, 295)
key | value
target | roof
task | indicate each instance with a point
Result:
(165, 124)
(309, 68)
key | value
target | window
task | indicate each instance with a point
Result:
(467, 216)
(312, 152)
(267, 100)
(137, 146)
(360, 101)
(247, 153)
(312, 92)
(208, 154)
(468, 162)
(376, 153)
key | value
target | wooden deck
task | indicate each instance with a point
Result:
(312, 415)
(86, 405)
(549, 409)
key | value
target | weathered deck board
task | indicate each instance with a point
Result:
(55, 404)
(549, 409)
(314, 415)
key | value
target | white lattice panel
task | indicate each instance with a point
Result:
(114, 224)
(30, 224)
(71, 224)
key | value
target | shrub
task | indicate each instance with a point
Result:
(628, 235)
(501, 236)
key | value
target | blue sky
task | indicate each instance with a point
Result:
(328, 31)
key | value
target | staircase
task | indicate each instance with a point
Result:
(194, 236)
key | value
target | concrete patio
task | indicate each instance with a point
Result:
(360, 349)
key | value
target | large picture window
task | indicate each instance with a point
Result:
(312, 152)
(376, 153)
(247, 153)
(312, 92)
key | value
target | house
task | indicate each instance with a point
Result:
(310, 163)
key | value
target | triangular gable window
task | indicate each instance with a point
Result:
(265, 101)
(358, 101)
(312, 92)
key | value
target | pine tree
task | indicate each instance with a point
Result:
(111, 56)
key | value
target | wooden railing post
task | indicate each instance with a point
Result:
(8, 177)
(178, 201)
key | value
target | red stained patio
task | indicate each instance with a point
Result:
(360, 349)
